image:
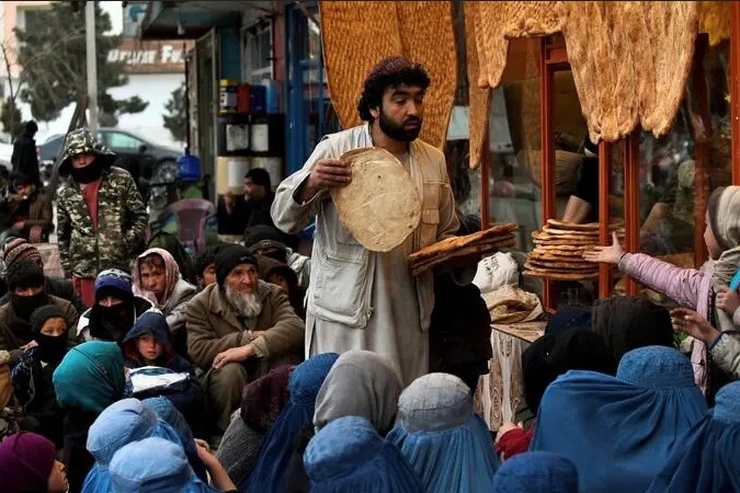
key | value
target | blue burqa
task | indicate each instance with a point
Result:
(619, 432)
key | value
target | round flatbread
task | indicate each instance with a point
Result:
(562, 232)
(555, 255)
(562, 266)
(559, 276)
(563, 249)
(381, 205)
(555, 224)
(568, 239)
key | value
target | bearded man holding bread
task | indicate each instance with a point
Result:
(360, 298)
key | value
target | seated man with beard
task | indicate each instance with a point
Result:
(27, 285)
(115, 309)
(239, 329)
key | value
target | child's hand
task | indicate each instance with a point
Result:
(727, 300)
(204, 452)
(608, 255)
(694, 324)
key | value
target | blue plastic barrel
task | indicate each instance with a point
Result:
(258, 99)
(188, 167)
(273, 96)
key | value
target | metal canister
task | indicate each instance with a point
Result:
(227, 100)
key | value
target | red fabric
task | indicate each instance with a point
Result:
(514, 442)
(85, 287)
(90, 194)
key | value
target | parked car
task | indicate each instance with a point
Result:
(158, 163)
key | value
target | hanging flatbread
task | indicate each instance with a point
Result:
(381, 205)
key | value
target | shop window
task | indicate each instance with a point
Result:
(257, 43)
(514, 143)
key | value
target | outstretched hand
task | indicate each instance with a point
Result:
(694, 324)
(608, 255)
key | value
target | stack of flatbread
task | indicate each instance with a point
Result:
(559, 248)
(480, 244)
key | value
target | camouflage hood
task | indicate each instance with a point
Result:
(81, 141)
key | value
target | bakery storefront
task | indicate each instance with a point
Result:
(656, 87)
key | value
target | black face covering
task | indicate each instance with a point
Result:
(51, 349)
(25, 305)
(117, 319)
(88, 174)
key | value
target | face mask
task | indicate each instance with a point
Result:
(25, 305)
(88, 174)
(51, 349)
(118, 318)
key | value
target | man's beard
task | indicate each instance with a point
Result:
(398, 132)
(247, 304)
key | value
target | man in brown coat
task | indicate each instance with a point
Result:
(239, 329)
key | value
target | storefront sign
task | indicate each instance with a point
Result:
(156, 56)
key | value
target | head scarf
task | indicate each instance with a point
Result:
(263, 399)
(169, 242)
(361, 383)
(620, 431)
(154, 465)
(446, 443)
(122, 422)
(171, 275)
(724, 219)
(262, 402)
(90, 377)
(628, 323)
(557, 352)
(279, 444)
(167, 412)
(348, 456)
(26, 462)
(536, 472)
(708, 457)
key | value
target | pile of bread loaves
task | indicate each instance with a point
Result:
(559, 248)
(480, 244)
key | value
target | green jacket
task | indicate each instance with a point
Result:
(122, 221)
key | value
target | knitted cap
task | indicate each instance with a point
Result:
(19, 249)
(228, 258)
(389, 65)
(114, 278)
(43, 313)
(26, 462)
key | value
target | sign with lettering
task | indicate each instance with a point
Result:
(150, 56)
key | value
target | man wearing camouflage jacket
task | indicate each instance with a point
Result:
(100, 214)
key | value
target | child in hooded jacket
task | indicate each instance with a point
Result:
(149, 343)
(705, 291)
(32, 377)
